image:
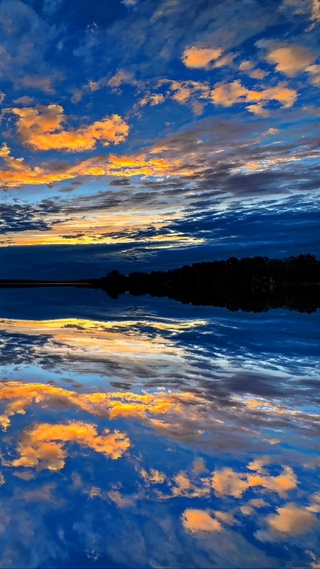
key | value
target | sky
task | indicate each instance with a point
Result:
(189, 129)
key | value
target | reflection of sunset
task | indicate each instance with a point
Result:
(102, 340)
(200, 521)
(44, 444)
(112, 405)
(227, 482)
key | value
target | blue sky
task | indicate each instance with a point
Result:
(159, 122)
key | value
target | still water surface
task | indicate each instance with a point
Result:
(144, 433)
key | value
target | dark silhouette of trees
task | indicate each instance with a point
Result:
(252, 283)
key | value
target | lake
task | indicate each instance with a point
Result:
(143, 433)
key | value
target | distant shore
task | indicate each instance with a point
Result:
(253, 284)
(21, 283)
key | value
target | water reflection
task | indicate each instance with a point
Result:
(160, 442)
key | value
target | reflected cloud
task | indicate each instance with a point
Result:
(291, 520)
(196, 521)
(43, 446)
(227, 482)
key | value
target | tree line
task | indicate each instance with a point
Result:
(252, 283)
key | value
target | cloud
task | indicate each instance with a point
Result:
(290, 521)
(198, 521)
(227, 482)
(121, 77)
(199, 467)
(315, 13)
(247, 510)
(42, 129)
(257, 74)
(311, 8)
(314, 78)
(129, 3)
(24, 100)
(154, 476)
(41, 83)
(153, 100)
(200, 57)
(246, 65)
(139, 164)
(184, 90)
(272, 131)
(289, 59)
(43, 446)
(258, 503)
(228, 94)
(25, 40)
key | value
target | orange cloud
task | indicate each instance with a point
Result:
(112, 405)
(122, 76)
(18, 173)
(42, 129)
(247, 510)
(290, 59)
(153, 476)
(184, 90)
(198, 521)
(153, 100)
(258, 503)
(228, 94)
(43, 446)
(257, 74)
(227, 482)
(314, 71)
(200, 57)
(246, 65)
(199, 467)
(291, 520)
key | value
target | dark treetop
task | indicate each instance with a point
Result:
(253, 283)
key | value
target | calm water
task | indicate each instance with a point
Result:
(145, 433)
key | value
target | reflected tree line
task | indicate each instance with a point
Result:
(253, 284)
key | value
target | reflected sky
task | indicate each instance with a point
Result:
(158, 435)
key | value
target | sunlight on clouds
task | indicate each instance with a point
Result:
(314, 77)
(153, 476)
(228, 94)
(289, 59)
(291, 520)
(196, 521)
(141, 164)
(43, 445)
(200, 57)
(69, 233)
(184, 90)
(227, 482)
(121, 77)
(153, 100)
(21, 396)
(258, 503)
(37, 128)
